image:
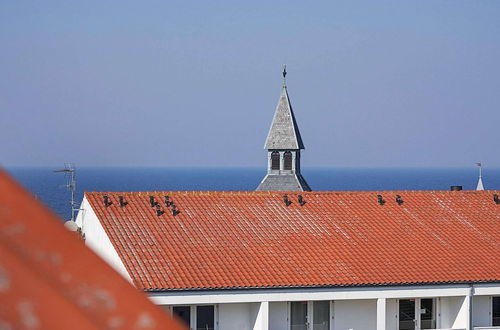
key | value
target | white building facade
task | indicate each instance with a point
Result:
(391, 308)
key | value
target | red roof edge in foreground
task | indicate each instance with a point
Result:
(50, 280)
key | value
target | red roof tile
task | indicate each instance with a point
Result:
(50, 280)
(253, 240)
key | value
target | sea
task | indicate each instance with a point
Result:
(49, 187)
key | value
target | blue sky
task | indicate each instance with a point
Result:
(181, 83)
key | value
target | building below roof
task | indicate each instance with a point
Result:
(264, 259)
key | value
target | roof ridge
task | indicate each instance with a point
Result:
(252, 192)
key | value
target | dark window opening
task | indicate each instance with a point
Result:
(321, 313)
(427, 314)
(407, 314)
(298, 315)
(287, 158)
(275, 160)
(205, 318)
(496, 311)
(183, 313)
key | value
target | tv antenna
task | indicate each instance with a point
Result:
(70, 174)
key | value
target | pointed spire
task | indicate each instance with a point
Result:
(283, 146)
(284, 132)
(480, 185)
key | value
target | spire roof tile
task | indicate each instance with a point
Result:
(284, 132)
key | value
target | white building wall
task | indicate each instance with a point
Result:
(349, 314)
(235, 316)
(278, 315)
(349, 311)
(462, 320)
(355, 315)
(481, 308)
(260, 315)
(97, 240)
(450, 308)
(391, 314)
(254, 312)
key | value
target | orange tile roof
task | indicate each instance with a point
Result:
(50, 280)
(223, 240)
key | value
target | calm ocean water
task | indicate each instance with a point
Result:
(47, 186)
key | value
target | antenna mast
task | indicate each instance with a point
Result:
(70, 173)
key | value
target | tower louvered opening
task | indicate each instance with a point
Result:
(275, 160)
(287, 159)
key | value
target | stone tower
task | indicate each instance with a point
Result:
(283, 146)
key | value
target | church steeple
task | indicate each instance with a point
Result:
(284, 132)
(283, 144)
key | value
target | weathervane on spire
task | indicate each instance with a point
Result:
(284, 75)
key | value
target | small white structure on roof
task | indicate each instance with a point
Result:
(480, 185)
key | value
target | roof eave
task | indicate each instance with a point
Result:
(279, 287)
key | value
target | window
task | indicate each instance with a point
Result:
(495, 311)
(196, 317)
(413, 312)
(321, 312)
(407, 314)
(304, 313)
(275, 160)
(287, 159)
(205, 318)
(183, 313)
(298, 311)
(427, 314)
